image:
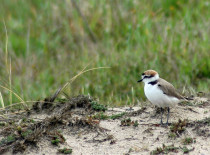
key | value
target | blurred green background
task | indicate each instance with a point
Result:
(51, 41)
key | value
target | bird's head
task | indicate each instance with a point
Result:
(149, 76)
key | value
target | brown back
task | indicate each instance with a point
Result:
(168, 89)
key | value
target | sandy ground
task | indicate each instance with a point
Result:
(133, 140)
(143, 139)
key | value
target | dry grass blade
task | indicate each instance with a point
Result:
(6, 43)
(11, 105)
(1, 100)
(73, 78)
(25, 102)
(22, 101)
(8, 68)
(52, 99)
(80, 73)
(10, 82)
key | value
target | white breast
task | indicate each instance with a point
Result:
(156, 96)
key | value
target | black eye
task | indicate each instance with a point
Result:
(148, 77)
(142, 74)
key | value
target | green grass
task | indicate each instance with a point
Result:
(103, 116)
(26, 133)
(188, 140)
(7, 140)
(186, 150)
(164, 150)
(49, 43)
(98, 107)
(55, 141)
(117, 116)
(65, 151)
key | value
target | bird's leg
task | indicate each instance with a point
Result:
(161, 121)
(168, 115)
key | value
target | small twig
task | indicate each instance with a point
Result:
(135, 113)
(192, 110)
(54, 96)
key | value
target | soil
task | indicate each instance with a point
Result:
(82, 126)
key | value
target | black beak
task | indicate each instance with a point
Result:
(140, 80)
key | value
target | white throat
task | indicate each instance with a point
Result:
(147, 80)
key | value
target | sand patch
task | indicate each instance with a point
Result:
(75, 124)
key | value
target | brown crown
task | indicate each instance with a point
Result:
(150, 72)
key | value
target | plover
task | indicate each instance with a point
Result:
(160, 92)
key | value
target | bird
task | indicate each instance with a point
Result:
(160, 92)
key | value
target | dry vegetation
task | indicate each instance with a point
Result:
(70, 125)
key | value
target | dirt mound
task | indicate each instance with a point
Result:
(80, 125)
(44, 119)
